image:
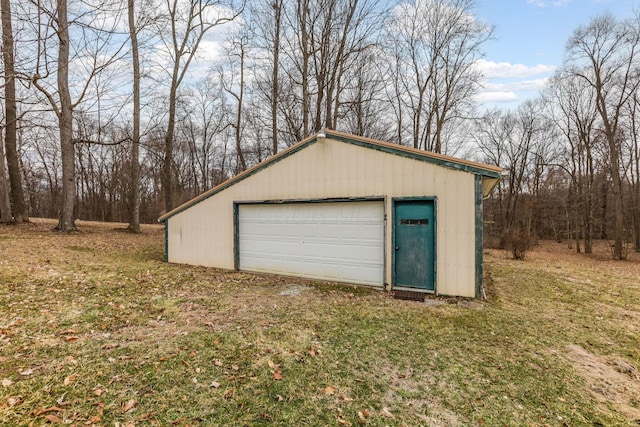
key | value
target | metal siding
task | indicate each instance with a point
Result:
(457, 255)
(334, 169)
(340, 241)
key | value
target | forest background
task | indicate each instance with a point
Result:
(120, 112)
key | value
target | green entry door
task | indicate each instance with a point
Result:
(414, 231)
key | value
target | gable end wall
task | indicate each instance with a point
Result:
(203, 234)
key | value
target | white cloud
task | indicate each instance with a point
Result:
(512, 91)
(517, 86)
(494, 97)
(502, 70)
(543, 3)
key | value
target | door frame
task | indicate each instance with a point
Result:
(394, 201)
(236, 223)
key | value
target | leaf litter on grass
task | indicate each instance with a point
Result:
(161, 344)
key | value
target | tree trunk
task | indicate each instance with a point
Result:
(303, 11)
(134, 214)
(5, 203)
(604, 203)
(66, 220)
(20, 212)
(167, 178)
(238, 133)
(635, 162)
(618, 232)
(275, 89)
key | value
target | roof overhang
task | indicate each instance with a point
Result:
(490, 174)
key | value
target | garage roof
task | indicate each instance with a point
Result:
(487, 171)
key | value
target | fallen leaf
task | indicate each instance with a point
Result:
(71, 338)
(13, 400)
(6, 382)
(215, 384)
(110, 346)
(235, 367)
(277, 374)
(329, 390)
(217, 362)
(146, 416)
(267, 417)
(271, 364)
(363, 415)
(228, 393)
(343, 422)
(41, 411)
(129, 405)
(68, 332)
(26, 372)
(71, 378)
(385, 412)
(95, 419)
(53, 419)
(60, 401)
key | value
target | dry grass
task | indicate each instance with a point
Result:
(96, 329)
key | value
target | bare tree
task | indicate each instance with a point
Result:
(134, 220)
(64, 110)
(327, 38)
(572, 107)
(20, 213)
(633, 113)
(511, 139)
(605, 55)
(266, 25)
(436, 44)
(235, 87)
(96, 53)
(275, 93)
(5, 203)
(204, 123)
(189, 21)
(365, 108)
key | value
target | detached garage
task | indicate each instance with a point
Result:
(344, 208)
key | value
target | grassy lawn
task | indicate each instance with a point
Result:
(96, 329)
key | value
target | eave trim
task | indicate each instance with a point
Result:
(399, 150)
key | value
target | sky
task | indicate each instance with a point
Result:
(529, 42)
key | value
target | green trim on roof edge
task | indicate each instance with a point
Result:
(443, 161)
(231, 181)
(479, 236)
(447, 163)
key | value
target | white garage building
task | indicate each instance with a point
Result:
(344, 208)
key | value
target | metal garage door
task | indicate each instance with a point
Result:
(342, 241)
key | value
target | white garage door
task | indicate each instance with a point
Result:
(342, 241)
